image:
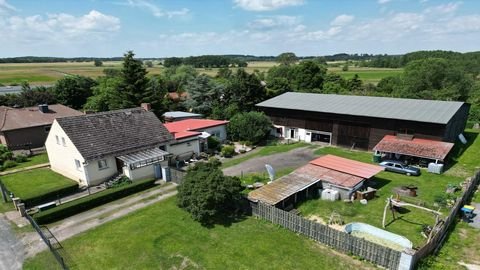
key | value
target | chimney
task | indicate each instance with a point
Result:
(43, 108)
(146, 106)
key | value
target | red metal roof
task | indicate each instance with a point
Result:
(185, 134)
(423, 148)
(331, 176)
(347, 166)
(193, 125)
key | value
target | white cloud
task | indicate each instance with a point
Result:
(342, 20)
(154, 9)
(60, 27)
(444, 9)
(6, 7)
(266, 5)
(381, 2)
(274, 22)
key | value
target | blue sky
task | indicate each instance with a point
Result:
(161, 28)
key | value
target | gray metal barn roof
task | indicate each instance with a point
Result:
(430, 111)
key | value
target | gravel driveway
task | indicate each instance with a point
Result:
(11, 249)
(291, 159)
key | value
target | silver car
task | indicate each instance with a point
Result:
(399, 167)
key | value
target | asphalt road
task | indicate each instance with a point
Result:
(11, 249)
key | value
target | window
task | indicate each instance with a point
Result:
(47, 129)
(63, 142)
(189, 144)
(57, 139)
(78, 165)
(102, 164)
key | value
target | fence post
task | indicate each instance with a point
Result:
(3, 190)
(21, 208)
(407, 261)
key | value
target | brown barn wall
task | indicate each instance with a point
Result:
(456, 125)
(366, 132)
(24, 138)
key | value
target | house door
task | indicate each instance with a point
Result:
(120, 165)
(157, 170)
(292, 133)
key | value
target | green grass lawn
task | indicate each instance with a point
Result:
(410, 223)
(263, 151)
(163, 236)
(33, 183)
(461, 245)
(33, 160)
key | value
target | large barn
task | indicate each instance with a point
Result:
(361, 122)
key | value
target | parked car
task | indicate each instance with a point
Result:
(399, 167)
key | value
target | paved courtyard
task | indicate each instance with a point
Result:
(291, 159)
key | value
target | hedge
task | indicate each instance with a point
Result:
(86, 203)
(50, 196)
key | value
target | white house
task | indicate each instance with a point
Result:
(93, 148)
(191, 135)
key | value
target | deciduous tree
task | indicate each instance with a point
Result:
(206, 192)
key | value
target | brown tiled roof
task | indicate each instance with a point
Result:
(115, 132)
(416, 147)
(17, 118)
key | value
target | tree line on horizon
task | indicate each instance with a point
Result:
(430, 75)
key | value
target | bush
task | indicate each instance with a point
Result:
(21, 158)
(213, 143)
(92, 201)
(228, 151)
(9, 164)
(50, 196)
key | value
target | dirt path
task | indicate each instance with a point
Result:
(291, 159)
(25, 169)
(87, 220)
(11, 249)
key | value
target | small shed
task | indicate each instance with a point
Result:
(340, 174)
(413, 149)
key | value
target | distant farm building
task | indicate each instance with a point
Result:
(360, 122)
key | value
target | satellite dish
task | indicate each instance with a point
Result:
(271, 172)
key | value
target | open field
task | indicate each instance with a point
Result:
(368, 75)
(173, 240)
(48, 73)
(29, 184)
(411, 221)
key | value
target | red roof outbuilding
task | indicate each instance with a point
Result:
(415, 147)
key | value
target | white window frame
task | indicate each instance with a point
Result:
(64, 143)
(102, 164)
(57, 139)
(78, 164)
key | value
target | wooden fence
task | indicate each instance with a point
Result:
(437, 240)
(341, 241)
